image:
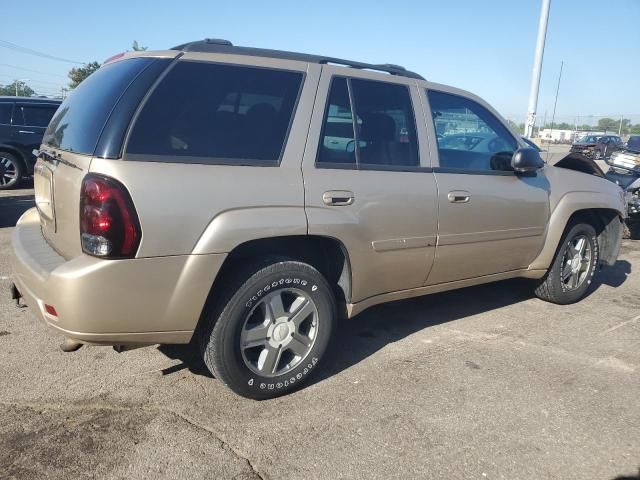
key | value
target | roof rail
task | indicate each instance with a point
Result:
(217, 45)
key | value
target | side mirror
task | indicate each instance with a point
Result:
(526, 160)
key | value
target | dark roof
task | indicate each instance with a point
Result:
(215, 45)
(29, 99)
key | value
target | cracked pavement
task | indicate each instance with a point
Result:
(484, 382)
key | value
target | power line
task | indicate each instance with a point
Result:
(29, 51)
(32, 71)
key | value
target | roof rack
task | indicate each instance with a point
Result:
(218, 45)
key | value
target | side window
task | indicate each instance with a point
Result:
(469, 136)
(5, 113)
(36, 115)
(385, 125)
(338, 143)
(222, 113)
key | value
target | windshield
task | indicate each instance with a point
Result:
(77, 124)
(590, 139)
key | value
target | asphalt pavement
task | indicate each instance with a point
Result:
(483, 382)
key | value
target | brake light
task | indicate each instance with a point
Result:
(113, 58)
(109, 226)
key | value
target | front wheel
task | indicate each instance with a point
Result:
(573, 267)
(272, 332)
(597, 154)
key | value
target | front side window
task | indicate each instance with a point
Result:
(469, 137)
(385, 129)
(34, 115)
(218, 113)
(5, 113)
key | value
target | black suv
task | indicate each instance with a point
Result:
(23, 121)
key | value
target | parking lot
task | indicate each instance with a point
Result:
(483, 382)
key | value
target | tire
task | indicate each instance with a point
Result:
(631, 230)
(11, 170)
(272, 330)
(555, 287)
(597, 154)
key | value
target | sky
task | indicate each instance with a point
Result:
(486, 47)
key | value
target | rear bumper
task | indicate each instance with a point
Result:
(137, 301)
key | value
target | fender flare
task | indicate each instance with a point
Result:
(568, 205)
(231, 228)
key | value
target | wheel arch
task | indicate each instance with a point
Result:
(601, 211)
(327, 254)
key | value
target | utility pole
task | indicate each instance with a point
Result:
(620, 128)
(537, 67)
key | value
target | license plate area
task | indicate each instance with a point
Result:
(43, 186)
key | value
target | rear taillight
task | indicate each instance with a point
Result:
(109, 226)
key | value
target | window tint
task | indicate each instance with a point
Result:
(77, 124)
(386, 130)
(34, 115)
(231, 113)
(338, 143)
(469, 136)
(5, 113)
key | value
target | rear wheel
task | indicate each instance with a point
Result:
(272, 331)
(573, 267)
(10, 170)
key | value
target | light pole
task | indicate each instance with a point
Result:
(537, 67)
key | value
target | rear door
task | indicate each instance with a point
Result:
(370, 185)
(30, 120)
(490, 219)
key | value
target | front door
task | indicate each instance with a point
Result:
(490, 219)
(367, 181)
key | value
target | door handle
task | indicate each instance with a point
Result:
(26, 131)
(338, 198)
(459, 196)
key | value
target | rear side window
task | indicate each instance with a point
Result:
(77, 124)
(216, 113)
(385, 129)
(5, 113)
(34, 115)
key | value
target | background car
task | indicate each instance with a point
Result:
(23, 121)
(597, 146)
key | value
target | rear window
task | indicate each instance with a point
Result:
(215, 113)
(77, 124)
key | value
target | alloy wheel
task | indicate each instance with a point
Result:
(279, 332)
(576, 262)
(8, 171)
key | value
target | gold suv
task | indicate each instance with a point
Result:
(249, 198)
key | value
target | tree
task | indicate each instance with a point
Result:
(23, 89)
(608, 124)
(78, 74)
(584, 126)
(138, 48)
(635, 129)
